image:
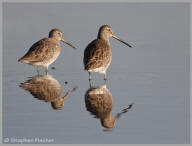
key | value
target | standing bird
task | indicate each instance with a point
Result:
(45, 51)
(97, 55)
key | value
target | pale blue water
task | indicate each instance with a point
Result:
(154, 74)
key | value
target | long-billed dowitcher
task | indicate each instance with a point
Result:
(97, 55)
(45, 51)
(47, 89)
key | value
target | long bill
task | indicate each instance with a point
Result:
(66, 42)
(115, 37)
(69, 92)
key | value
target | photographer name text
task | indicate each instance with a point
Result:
(28, 140)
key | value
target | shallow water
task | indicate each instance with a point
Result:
(153, 75)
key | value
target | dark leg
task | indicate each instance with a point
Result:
(90, 83)
(105, 81)
(105, 77)
(90, 78)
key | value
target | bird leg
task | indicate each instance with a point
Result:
(90, 78)
(105, 81)
(90, 83)
(105, 77)
(38, 70)
(46, 70)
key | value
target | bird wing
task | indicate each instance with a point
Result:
(38, 51)
(95, 54)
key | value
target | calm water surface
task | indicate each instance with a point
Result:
(153, 75)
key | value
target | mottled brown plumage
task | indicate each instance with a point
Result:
(96, 58)
(41, 52)
(47, 89)
(97, 55)
(45, 51)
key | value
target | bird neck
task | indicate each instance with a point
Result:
(104, 38)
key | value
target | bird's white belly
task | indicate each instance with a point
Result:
(49, 61)
(102, 69)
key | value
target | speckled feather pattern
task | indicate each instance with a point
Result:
(43, 52)
(97, 55)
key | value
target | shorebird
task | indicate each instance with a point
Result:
(97, 55)
(47, 89)
(45, 52)
(99, 102)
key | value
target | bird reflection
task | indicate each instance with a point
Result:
(48, 89)
(99, 102)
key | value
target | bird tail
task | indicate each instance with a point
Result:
(19, 60)
(22, 59)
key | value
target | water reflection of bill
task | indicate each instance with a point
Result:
(99, 102)
(46, 88)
